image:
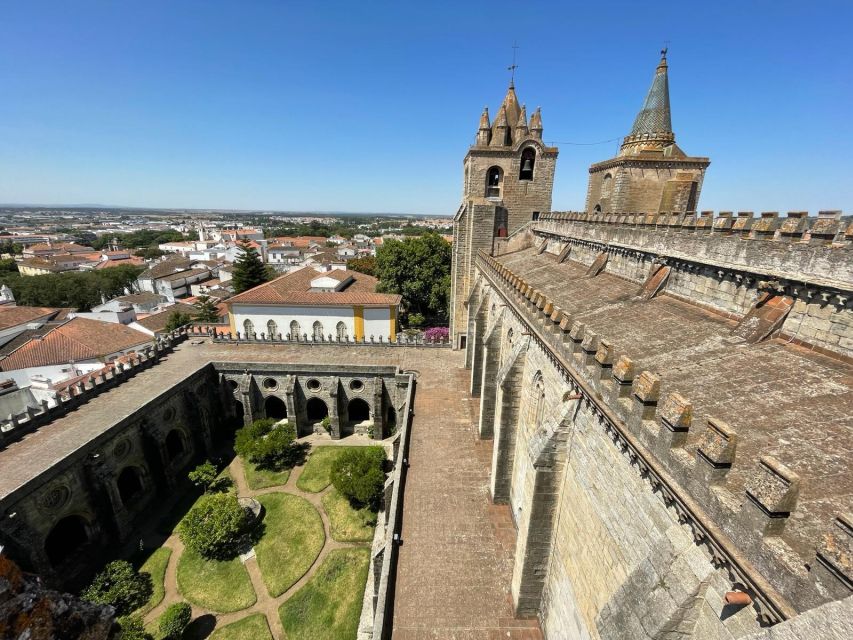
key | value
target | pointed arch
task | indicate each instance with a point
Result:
(317, 331)
(341, 330)
(295, 330)
(272, 328)
(248, 328)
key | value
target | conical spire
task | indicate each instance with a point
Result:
(485, 130)
(511, 109)
(655, 117)
(521, 124)
(536, 123)
(499, 129)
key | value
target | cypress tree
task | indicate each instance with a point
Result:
(249, 271)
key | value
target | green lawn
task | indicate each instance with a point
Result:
(263, 478)
(221, 586)
(329, 605)
(348, 524)
(155, 565)
(293, 538)
(315, 475)
(252, 627)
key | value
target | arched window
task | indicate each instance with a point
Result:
(537, 400)
(272, 328)
(316, 410)
(597, 209)
(295, 330)
(175, 446)
(341, 330)
(66, 537)
(494, 178)
(606, 186)
(129, 484)
(318, 330)
(358, 410)
(249, 328)
(528, 162)
(275, 408)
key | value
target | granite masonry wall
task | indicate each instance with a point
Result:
(616, 534)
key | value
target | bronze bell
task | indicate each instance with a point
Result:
(527, 165)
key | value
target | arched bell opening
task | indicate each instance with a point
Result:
(528, 162)
(67, 537)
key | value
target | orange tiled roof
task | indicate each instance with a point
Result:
(77, 339)
(108, 264)
(294, 288)
(13, 316)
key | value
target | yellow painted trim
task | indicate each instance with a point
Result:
(358, 321)
(232, 322)
(392, 315)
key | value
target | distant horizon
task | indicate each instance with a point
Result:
(337, 107)
(11, 205)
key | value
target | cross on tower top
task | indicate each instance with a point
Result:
(513, 66)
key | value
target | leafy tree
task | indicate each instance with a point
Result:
(176, 320)
(418, 269)
(358, 475)
(77, 289)
(267, 444)
(132, 628)
(249, 270)
(204, 475)
(416, 320)
(8, 267)
(213, 526)
(207, 311)
(149, 253)
(174, 620)
(365, 265)
(121, 586)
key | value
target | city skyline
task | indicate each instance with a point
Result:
(372, 110)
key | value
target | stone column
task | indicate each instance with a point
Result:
(334, 411)
(105, 498)
(489, 388)
(506, 422)
(378, 409)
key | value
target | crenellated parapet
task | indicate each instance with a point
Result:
(689, 464)
(16, 426)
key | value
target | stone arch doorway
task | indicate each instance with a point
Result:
(239, 412)
(358, 410)
(129, 484)
(175, 445)
(275, 408)
(67, 536)
(316, 410)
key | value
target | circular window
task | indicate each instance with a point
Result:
(313, 384)
(270, 383)
(356, 385)
(168, 414)
(233, 384)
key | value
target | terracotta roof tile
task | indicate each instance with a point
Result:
(77, 339)
(12, 316)
(294, 288)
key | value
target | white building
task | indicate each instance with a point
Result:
(316, 305)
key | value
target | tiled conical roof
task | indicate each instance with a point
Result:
(655, 116)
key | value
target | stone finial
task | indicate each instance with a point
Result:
(835, 557)
(623, 370)
(774, 487)
(605, 354)
(676, 412)
(647, 387)
(718, 444)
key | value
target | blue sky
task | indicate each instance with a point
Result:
(371, 106)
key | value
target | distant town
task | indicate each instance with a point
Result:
(81, 287)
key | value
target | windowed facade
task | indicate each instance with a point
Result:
(248, 328)
(494, 180)
(295, 330)
(341, 330)
(272, 328)
(318, 330)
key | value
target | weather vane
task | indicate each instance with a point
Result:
(513, 66)
(665, 49)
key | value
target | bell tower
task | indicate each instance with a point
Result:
(651, 174)
(508, 177)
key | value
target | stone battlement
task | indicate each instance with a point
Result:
(742, 526)
(16, 426)
(402, 340)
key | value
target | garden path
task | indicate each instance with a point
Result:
(265, 604)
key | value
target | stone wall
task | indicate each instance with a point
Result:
(727, 263)
(644, 185)
(616, 533)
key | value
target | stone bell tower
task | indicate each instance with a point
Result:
(508, 177)
(651, 174)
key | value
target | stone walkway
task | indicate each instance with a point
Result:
(455, 564)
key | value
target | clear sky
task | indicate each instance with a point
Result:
(369, 106)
